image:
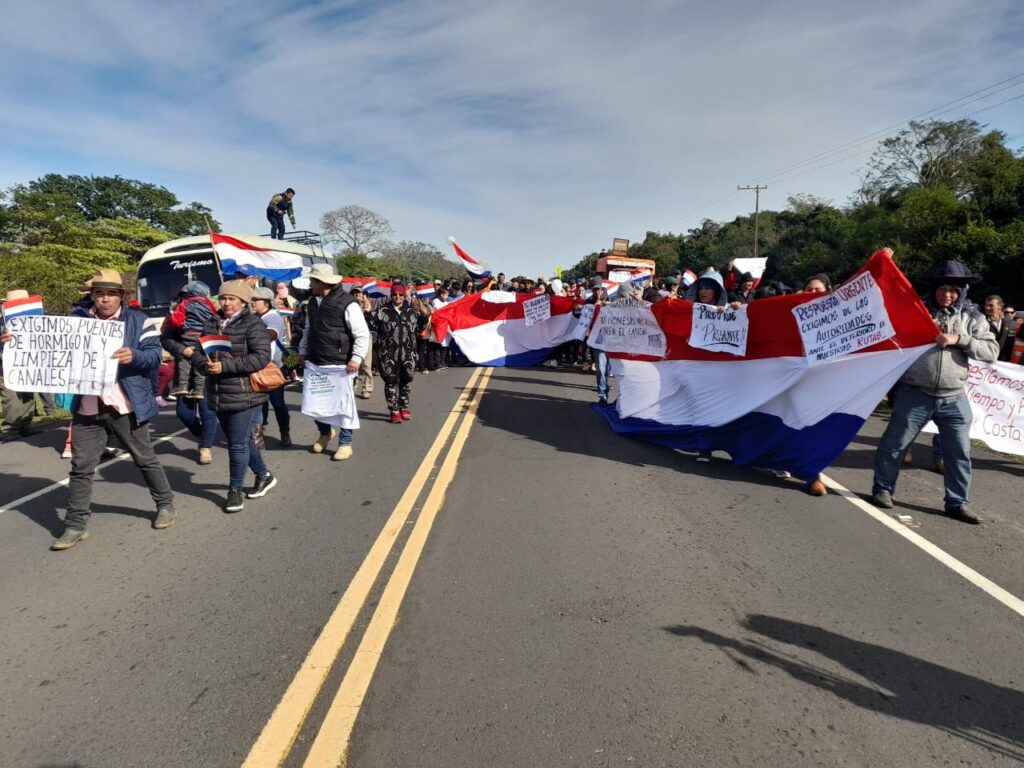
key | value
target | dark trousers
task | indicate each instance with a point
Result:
(280, 410)
(88, 438)
(199, 418)
(435, 355)
(19, 409)
(276, 225)
(242, 450)
(397, 376)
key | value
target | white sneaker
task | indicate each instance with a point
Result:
(323, 441)
(67, 452)
(343, 453)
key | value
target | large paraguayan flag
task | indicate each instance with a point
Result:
(490, 328)
(475, 269)
(238, 257)
(770, 408)
(33, 305)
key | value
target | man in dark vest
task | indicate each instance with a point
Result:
(335, 333)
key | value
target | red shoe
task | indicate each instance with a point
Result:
(396, 417)
(406, 415)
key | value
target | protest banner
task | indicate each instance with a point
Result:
(850, 319)
(720, 331)
(327, 395)
(628, 327)
(537, 309)
(62, 354)
(996, 394)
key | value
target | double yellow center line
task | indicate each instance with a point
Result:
(329, 748)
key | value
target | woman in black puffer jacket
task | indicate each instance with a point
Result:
(229, 392)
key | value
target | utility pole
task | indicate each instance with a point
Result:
(757, 208)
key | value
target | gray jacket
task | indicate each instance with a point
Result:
(942, 372)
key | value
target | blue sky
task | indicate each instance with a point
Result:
(534, 132)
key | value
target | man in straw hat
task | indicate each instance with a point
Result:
(335, 334)
(932, 389)
(19, 407)
(125, 413)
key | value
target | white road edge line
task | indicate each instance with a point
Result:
(60, 484)
(986, 585)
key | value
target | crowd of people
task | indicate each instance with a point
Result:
(268, 335)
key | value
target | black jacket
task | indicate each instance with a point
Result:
(230, 391)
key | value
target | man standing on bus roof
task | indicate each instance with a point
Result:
(278, 206)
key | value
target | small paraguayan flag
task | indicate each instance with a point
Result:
(286, 312)
(33, 305)
(211, 344)
(425, 292)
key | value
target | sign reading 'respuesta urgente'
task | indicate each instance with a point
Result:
(62, 354)
(839, 323)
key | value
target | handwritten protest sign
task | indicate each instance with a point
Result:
(327, 395)
(996, 394)
(843, 322)
(628, 327)
(537, 309)
(583, 322)
(720, 331)
(62, 354)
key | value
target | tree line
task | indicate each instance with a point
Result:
(936, 190)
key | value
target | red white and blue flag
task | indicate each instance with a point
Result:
(490, 328)
(215, 343)
(475, 269)
(689, 277)
(289, 313)
(425, 292)
(240, 258)
(33, 305)
(773, 407)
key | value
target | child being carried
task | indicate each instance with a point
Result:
(188, 318)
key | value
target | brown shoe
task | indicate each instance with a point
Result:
(816, 487)
(939, 467)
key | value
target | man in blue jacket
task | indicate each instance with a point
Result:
(126, 412)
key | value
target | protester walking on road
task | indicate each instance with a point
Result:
(262, 305)
(397, 326)
(363, 385)
(932, 389)
(280, 205)
(335, 334)
(125, 413)
(229, 390)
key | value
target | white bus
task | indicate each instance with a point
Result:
(164, 270)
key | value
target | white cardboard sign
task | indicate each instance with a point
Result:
(720, 331)
(62, 354)
(840, 323)
(628, 327)
(537, 309)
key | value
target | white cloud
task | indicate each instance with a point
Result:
(534, 131)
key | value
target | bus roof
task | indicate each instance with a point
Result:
(186, 246)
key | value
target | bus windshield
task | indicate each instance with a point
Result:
(160, 281)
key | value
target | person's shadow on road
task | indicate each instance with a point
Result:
(905, 686)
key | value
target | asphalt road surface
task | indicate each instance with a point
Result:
(503, 582)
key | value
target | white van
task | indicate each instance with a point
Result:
(164, 270)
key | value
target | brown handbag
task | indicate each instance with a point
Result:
(267, 378)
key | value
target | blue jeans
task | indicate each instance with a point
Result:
(280, 410)
(344, 435)
(911, 410)
(199, 418)
(601, 361)
(242, 451)
(276, 225)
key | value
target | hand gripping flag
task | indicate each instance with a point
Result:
(33, 305)
(490, 328)
(238, 257)
(475, 269)
(215, 343)
(773, 407)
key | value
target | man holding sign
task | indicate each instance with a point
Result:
(124, 410)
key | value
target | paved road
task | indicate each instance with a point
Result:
(581, 599)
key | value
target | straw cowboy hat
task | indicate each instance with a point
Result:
(16, 294)
(107, 278)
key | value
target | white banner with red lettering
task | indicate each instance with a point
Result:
(996, 394)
